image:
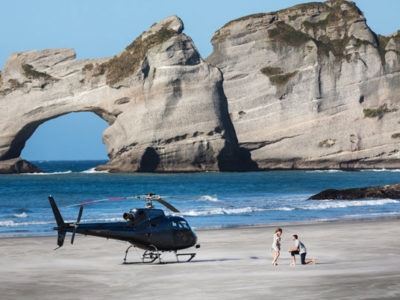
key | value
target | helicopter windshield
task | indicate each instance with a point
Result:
(180, 225)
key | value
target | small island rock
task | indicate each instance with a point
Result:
(391, 191)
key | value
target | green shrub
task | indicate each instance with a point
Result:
(282, 79)
(269, 71)
(288, 35)
(88, 67)
(219, 35)
(377, 112)
(330, 19)
(396, 135)
(327, 143)
(259, 15)
(241, 113)
(15, 84)
(31, 73)
(128, 62)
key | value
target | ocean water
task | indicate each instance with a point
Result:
(204, 199)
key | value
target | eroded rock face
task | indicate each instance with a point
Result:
(163, 102)
(312, 87)
(391, 191)
(17, 165)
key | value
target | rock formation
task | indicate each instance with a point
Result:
(17, 165)
(163, 102)
(391, 191)
(312, 86)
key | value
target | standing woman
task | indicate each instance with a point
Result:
(276, 245)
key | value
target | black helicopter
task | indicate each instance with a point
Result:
(146, 228)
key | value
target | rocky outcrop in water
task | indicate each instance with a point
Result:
(312, 86)
(18, 165)
(391, 191)
(307, 87)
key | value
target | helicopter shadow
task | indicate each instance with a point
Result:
(214, 260)
(180, 262)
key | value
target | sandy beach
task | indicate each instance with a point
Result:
(356, 259)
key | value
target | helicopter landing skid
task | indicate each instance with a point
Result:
(189, 255)
(148, 257)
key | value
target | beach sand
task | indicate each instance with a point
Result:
(356, 259)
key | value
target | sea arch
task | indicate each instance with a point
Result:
(73, 136)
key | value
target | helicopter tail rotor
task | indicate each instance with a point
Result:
(76, 224)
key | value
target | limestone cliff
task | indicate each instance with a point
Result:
(312, 86)
(163, 102)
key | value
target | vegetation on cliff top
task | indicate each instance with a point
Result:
(288, 35)
(335, 16)
(31, 73)
(128, 62)
(88, 67)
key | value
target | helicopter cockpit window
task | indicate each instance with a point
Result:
(184, 224)
(180, 225)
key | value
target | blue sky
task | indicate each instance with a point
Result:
(99, 28)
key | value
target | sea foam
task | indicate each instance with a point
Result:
(326, 204)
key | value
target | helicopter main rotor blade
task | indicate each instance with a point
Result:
(166, 204)
(219, 203)
(76, 224)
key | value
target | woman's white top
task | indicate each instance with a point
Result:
(276, 244)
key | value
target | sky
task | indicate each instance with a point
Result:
(100, 28)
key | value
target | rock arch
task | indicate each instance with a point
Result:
(73, 136)
(157, 94)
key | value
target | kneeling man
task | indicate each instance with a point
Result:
(299, 248)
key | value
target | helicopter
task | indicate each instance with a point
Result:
(145, 228)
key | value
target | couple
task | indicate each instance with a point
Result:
(299, 248)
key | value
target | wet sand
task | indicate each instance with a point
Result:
(356, 259)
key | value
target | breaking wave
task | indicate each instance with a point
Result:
(93, 171)
(324, 171)
(45, 174)
(326, 204)
(21, 215)
(381, 170)
(209, 198)
(10, 223)
(371, 215)
(231, 211)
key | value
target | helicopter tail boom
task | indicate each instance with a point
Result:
(60, 222)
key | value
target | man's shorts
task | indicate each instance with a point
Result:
(302, 256)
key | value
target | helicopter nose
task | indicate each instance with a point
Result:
(186, 238)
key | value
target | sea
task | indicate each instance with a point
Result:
(209, 199)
